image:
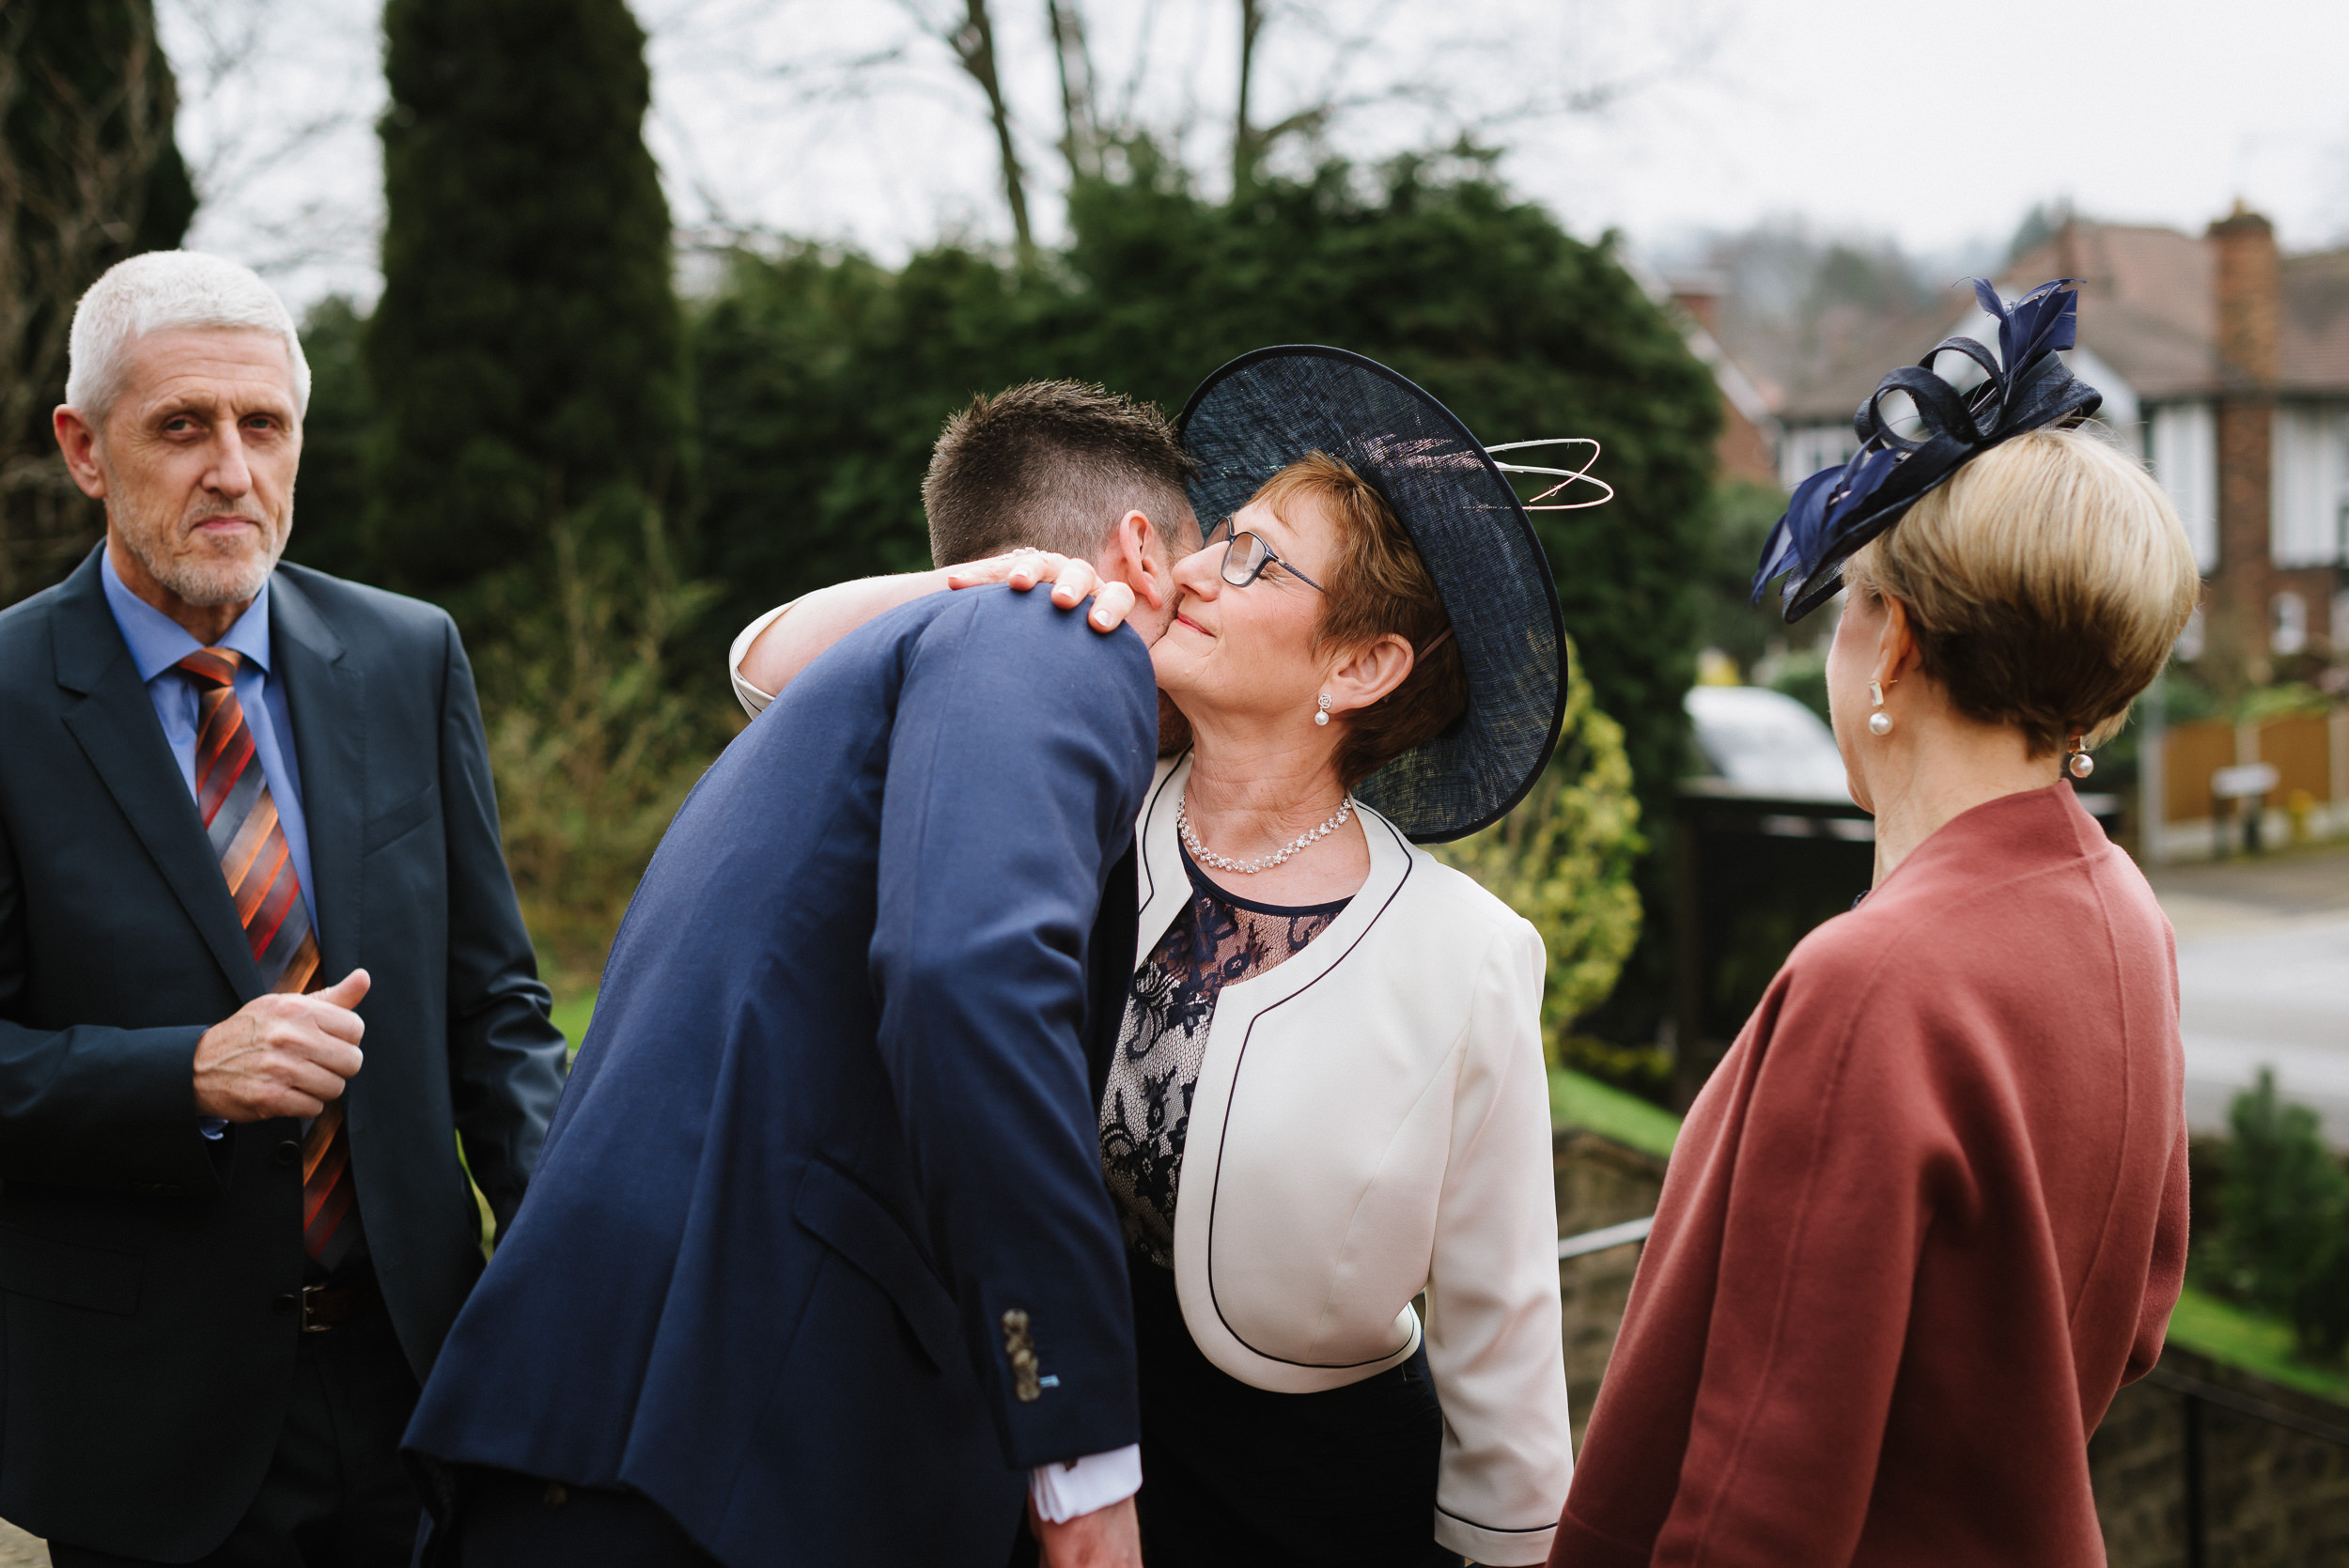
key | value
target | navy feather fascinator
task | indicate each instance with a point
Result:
(1837, 510)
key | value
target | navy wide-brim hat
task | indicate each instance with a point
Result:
(1267, 409)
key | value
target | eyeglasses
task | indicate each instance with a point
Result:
(1246, 557)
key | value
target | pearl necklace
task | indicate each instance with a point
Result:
(1205, 856)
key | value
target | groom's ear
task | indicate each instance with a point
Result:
(1137, 557)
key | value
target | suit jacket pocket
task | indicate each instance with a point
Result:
(853, 1223)
(406, 817)
(68, 1273)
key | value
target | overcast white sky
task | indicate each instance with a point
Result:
(1935, 126)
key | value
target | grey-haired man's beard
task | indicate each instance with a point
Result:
(197, 574)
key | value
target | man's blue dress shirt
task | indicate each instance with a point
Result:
(158, 643)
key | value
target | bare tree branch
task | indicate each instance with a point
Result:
(1080, 134)
(974, 44)
(1248, 147)
(1122, 124)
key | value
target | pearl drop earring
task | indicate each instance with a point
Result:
(1879, 722)
(1323, 716)
(2080, 763)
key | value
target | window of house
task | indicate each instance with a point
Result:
(2189, 645)
(2288, 625)
(1805, 449)
(2186, 461)
(2309, 483)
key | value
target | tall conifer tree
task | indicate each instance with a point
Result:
(525, 356)
(90, 174)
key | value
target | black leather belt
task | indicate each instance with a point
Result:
(337, 1301)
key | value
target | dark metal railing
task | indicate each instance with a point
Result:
(1600, 1240)
(2195, 1393)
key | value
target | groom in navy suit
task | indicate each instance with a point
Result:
(817, 1266)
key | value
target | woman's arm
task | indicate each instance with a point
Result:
(773, 649)
(769, 654)
(1493, 1332)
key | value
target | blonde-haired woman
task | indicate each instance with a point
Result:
(1930, 1213)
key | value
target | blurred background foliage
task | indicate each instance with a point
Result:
(1563, 860)
(89, 173)
(525, 358)
(2280, 1241)
(505, 434)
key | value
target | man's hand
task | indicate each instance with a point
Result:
(281, 1055)
(1106, 1537)
(1072, 581)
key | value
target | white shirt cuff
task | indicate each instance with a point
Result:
(753, 700)
(1061, 1491)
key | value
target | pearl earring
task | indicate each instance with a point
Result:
(2080, 763)
(1323, 716)
(1879, 722)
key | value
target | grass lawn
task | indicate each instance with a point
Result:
(1576, 1100)
(572, 1017)
(2225, 1332)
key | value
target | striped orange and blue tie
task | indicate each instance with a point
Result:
(233, 799)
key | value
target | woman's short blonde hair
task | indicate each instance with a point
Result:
(2045, 583)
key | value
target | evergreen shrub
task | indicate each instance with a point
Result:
(526, 432)
(1563, 859)
(526, 355)
(2281, 1244)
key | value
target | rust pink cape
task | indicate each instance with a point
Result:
(1927, 1217)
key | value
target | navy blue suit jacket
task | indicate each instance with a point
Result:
(834, 1119)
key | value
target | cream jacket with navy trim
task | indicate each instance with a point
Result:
(1373, 1119)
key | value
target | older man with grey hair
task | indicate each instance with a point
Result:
(261, 971)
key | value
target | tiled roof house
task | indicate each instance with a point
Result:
(2225, 364)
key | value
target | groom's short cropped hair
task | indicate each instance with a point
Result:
(1053, 465)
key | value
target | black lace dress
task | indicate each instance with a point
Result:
(1234, 1474)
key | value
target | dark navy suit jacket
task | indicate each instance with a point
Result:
(834, 1119)
(148, 1341)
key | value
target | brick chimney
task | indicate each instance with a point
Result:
(2249, 299)
(1700, 295)
(2248, 303)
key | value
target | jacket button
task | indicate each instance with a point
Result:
(284, 1306)
(289, 1152)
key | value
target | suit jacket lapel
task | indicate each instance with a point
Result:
(325, 697)
(114, 722)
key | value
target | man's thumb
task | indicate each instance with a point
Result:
(347, 991)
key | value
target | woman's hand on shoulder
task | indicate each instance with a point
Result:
(1072, 581)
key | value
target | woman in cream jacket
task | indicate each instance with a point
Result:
(1368, 1120)
(1330, 1096)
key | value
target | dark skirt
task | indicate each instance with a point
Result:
(1233, 1476)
